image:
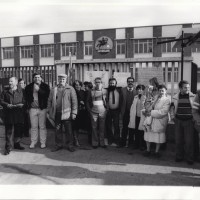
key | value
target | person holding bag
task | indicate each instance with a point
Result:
(159, 115)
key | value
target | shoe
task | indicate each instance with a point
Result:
(106, 141)
(77, 144)
(43, 146)
(56, 148)
(190, 162)
(17, 146)
(6, 152)
(157, 155)
(71, 149)
(94, 147)
(32, 146)
(113, 145)
(146, 153)
(178, 159)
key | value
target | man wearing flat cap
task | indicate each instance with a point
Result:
(62, 109)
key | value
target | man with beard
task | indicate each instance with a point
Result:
(112, 118)
(12, 101)
(126, 99)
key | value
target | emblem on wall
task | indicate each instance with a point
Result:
(103, 44)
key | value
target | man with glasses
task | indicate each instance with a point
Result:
(96, 105)
(126, 98)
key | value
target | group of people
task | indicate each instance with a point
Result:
(144, 111)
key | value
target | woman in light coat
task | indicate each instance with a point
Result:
(135, 123)
(159, 115)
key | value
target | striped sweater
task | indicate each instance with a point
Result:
(184, 109)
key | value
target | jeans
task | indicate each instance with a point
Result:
(184, 136)
(112, 119)
(17, 134)
(59, 133)
(38, 122)
(98, 121)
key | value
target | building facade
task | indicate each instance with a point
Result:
(112, 50)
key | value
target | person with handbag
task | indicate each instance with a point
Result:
(159, 114)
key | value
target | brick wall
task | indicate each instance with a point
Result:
(16, 52)
(157, 48)
(129, 43)
(57, 53)
(36, 51)
(80, 44)
(111, 33)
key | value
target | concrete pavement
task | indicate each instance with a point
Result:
(87, 166)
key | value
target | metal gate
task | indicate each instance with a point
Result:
(48, 73)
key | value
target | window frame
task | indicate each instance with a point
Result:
(69, 47)
(8, 53)
(88, 47)
(27, 52)
(143, 46)
(121, 46)
(46, 50)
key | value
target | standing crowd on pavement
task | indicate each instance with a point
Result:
(144, 111)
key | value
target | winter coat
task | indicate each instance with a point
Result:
(133, 112)
(13, 115)
(122, 100)
(160, 115)
(69, 103)
(196, 111)
(43, 95)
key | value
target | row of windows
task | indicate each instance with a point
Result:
(140, 46)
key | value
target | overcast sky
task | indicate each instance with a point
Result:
(26, 17)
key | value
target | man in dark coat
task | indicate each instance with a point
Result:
(36, 95)
(12, 101)
(126, 98)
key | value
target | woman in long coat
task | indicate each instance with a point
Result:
(159, 115)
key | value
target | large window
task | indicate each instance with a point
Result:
(167, 47)
(69, 47)
(143, 46)
(169, 75)
(8, 53)
(47, 50)
(88, 46)
(27, 52)
(121, 46)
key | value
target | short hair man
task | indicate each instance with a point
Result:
(184, 126)
(62, 108)
(37, 94)
(96, 105)
(12, 101)
(126, 98)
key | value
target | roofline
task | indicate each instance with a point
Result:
(100, 29)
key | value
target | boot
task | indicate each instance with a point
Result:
(17, 146)
(76, 141)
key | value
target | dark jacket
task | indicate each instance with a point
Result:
(43, 95)
(122, 99)
(13, 115)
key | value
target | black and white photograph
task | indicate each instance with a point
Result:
(100, 99)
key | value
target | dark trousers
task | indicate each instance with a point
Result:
(184, 136)
(125, 130)
(138, 135)
(59, 140)
(112, 120)
(17, 134)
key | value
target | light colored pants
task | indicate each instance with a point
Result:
(38, 121)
